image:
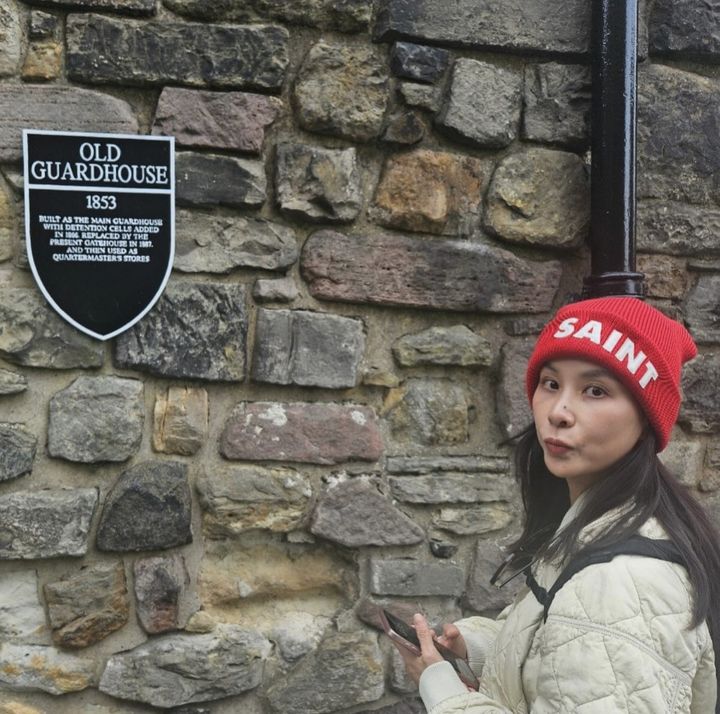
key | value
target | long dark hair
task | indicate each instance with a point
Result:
(643, 487)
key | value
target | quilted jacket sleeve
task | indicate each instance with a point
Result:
(479, 634)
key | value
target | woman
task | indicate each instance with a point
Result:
(632, 634)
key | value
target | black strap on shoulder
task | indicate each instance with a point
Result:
(633, 545)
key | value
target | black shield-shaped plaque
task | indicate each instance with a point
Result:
(99, 224)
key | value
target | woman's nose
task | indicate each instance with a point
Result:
(561, 412)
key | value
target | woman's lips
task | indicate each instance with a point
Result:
(557, 447)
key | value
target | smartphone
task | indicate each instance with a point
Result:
(404, 634)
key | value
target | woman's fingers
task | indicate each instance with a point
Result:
(453, 640)
(427, 645)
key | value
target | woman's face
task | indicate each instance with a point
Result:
(585, 419)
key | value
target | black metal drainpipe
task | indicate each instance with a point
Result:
(614, 79)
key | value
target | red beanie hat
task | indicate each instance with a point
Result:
(642, 348)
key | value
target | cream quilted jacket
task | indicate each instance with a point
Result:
(616, 640)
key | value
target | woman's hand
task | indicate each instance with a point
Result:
(453, 640)
(415, 665)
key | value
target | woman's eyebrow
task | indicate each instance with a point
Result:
(594, 373)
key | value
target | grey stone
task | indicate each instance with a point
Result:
(710, 480)
(346, 670)
(459, 464)
(321, 185)
(252, 56)
(8, 228)
(86, 607)
(10, 37)
(127, 7)
(58, 109)
(236, 499)
(159, 585)
(275, 290)
(438, 274)
(306, 348)
(557, 104)
(558, 26)
(404, 706)
(540, 197)
(33, 335)
(311, 432)
(207, 243)
(685, 460)
(700, 409)
(148, 508)
(513, 410)
(448, 487)
(343, 15)
(430, 411)
(483, 104)
(35, 668)
(456, 345)
(400, 680)
(195, 330)
(413, 578)
(226, 10)
(479, 520)
(343, 91)
(678, 150)
(685, 29)
(235, 121)
(17, 451)
(678, 228)
(404, 128)
(418, 62)
(356, 513)
(173, 670)
(421, 96)
(210, 180)
(44, 24)
(22, 616)
(702, 308)
(45, 524)
(481, 595)
(298, 635)
(97, 419)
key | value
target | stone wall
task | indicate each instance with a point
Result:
(377, 207)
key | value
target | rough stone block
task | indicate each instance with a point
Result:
(513, 411)
(127, 7)
(236, 499)
(275, 290)
(159, 585)
(483, 104)
(43, 24)
(703, 309)
(210, 180)
(440, 275)
(448, 487)
(34, 335)
(474, 521)
(97, 419)
(235, 121)
(558, 26)
(356, 513)
(343, 15)
(17, 451)
(321, 185)
(685, 460)
(313, 433)
(346, 670)
(557, 104)
(252, 56)
(86, 607)
(424, 465)
(685, 29)
(700, 409)
(46, 524)
(22, 616)
(413, 578)
(678, 228)
(418, 62)
(540, 197)
(431, 191)
(148, 508)
(421, 96)
(342, 90)
(299, 634)
(45, 669)
(666, 277)
(457, 345)
(481, 595)
(196, 330)
(10, 37)
(58, 109)
(678, 158)
(206, 243)
(306, 348)
(43, 61)
(404, 128)
(8, 229)
(174, 670)
(180, 422)
(429, 411)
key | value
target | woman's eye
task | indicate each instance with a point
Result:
(596, 391)
(549, 383)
